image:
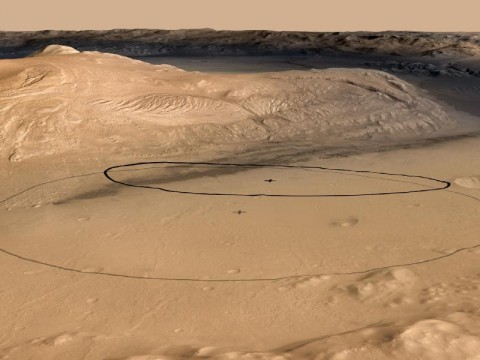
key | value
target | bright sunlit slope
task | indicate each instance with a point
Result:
(61, 100)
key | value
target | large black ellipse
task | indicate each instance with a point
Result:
(442, 183)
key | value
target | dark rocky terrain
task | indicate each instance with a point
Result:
(147, 42)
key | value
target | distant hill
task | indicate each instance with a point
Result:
(148, 42)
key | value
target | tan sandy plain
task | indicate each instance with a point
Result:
(96, 270)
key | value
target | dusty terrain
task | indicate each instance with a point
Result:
(352, 234)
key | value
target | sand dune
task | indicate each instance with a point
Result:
(472, 182)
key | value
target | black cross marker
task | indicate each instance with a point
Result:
(239, 212)
(269, 180)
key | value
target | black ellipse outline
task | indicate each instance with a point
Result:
(446, 184)
(194, 280)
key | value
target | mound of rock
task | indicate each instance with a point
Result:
(95, 103)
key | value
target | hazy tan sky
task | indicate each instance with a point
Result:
(310, 15)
